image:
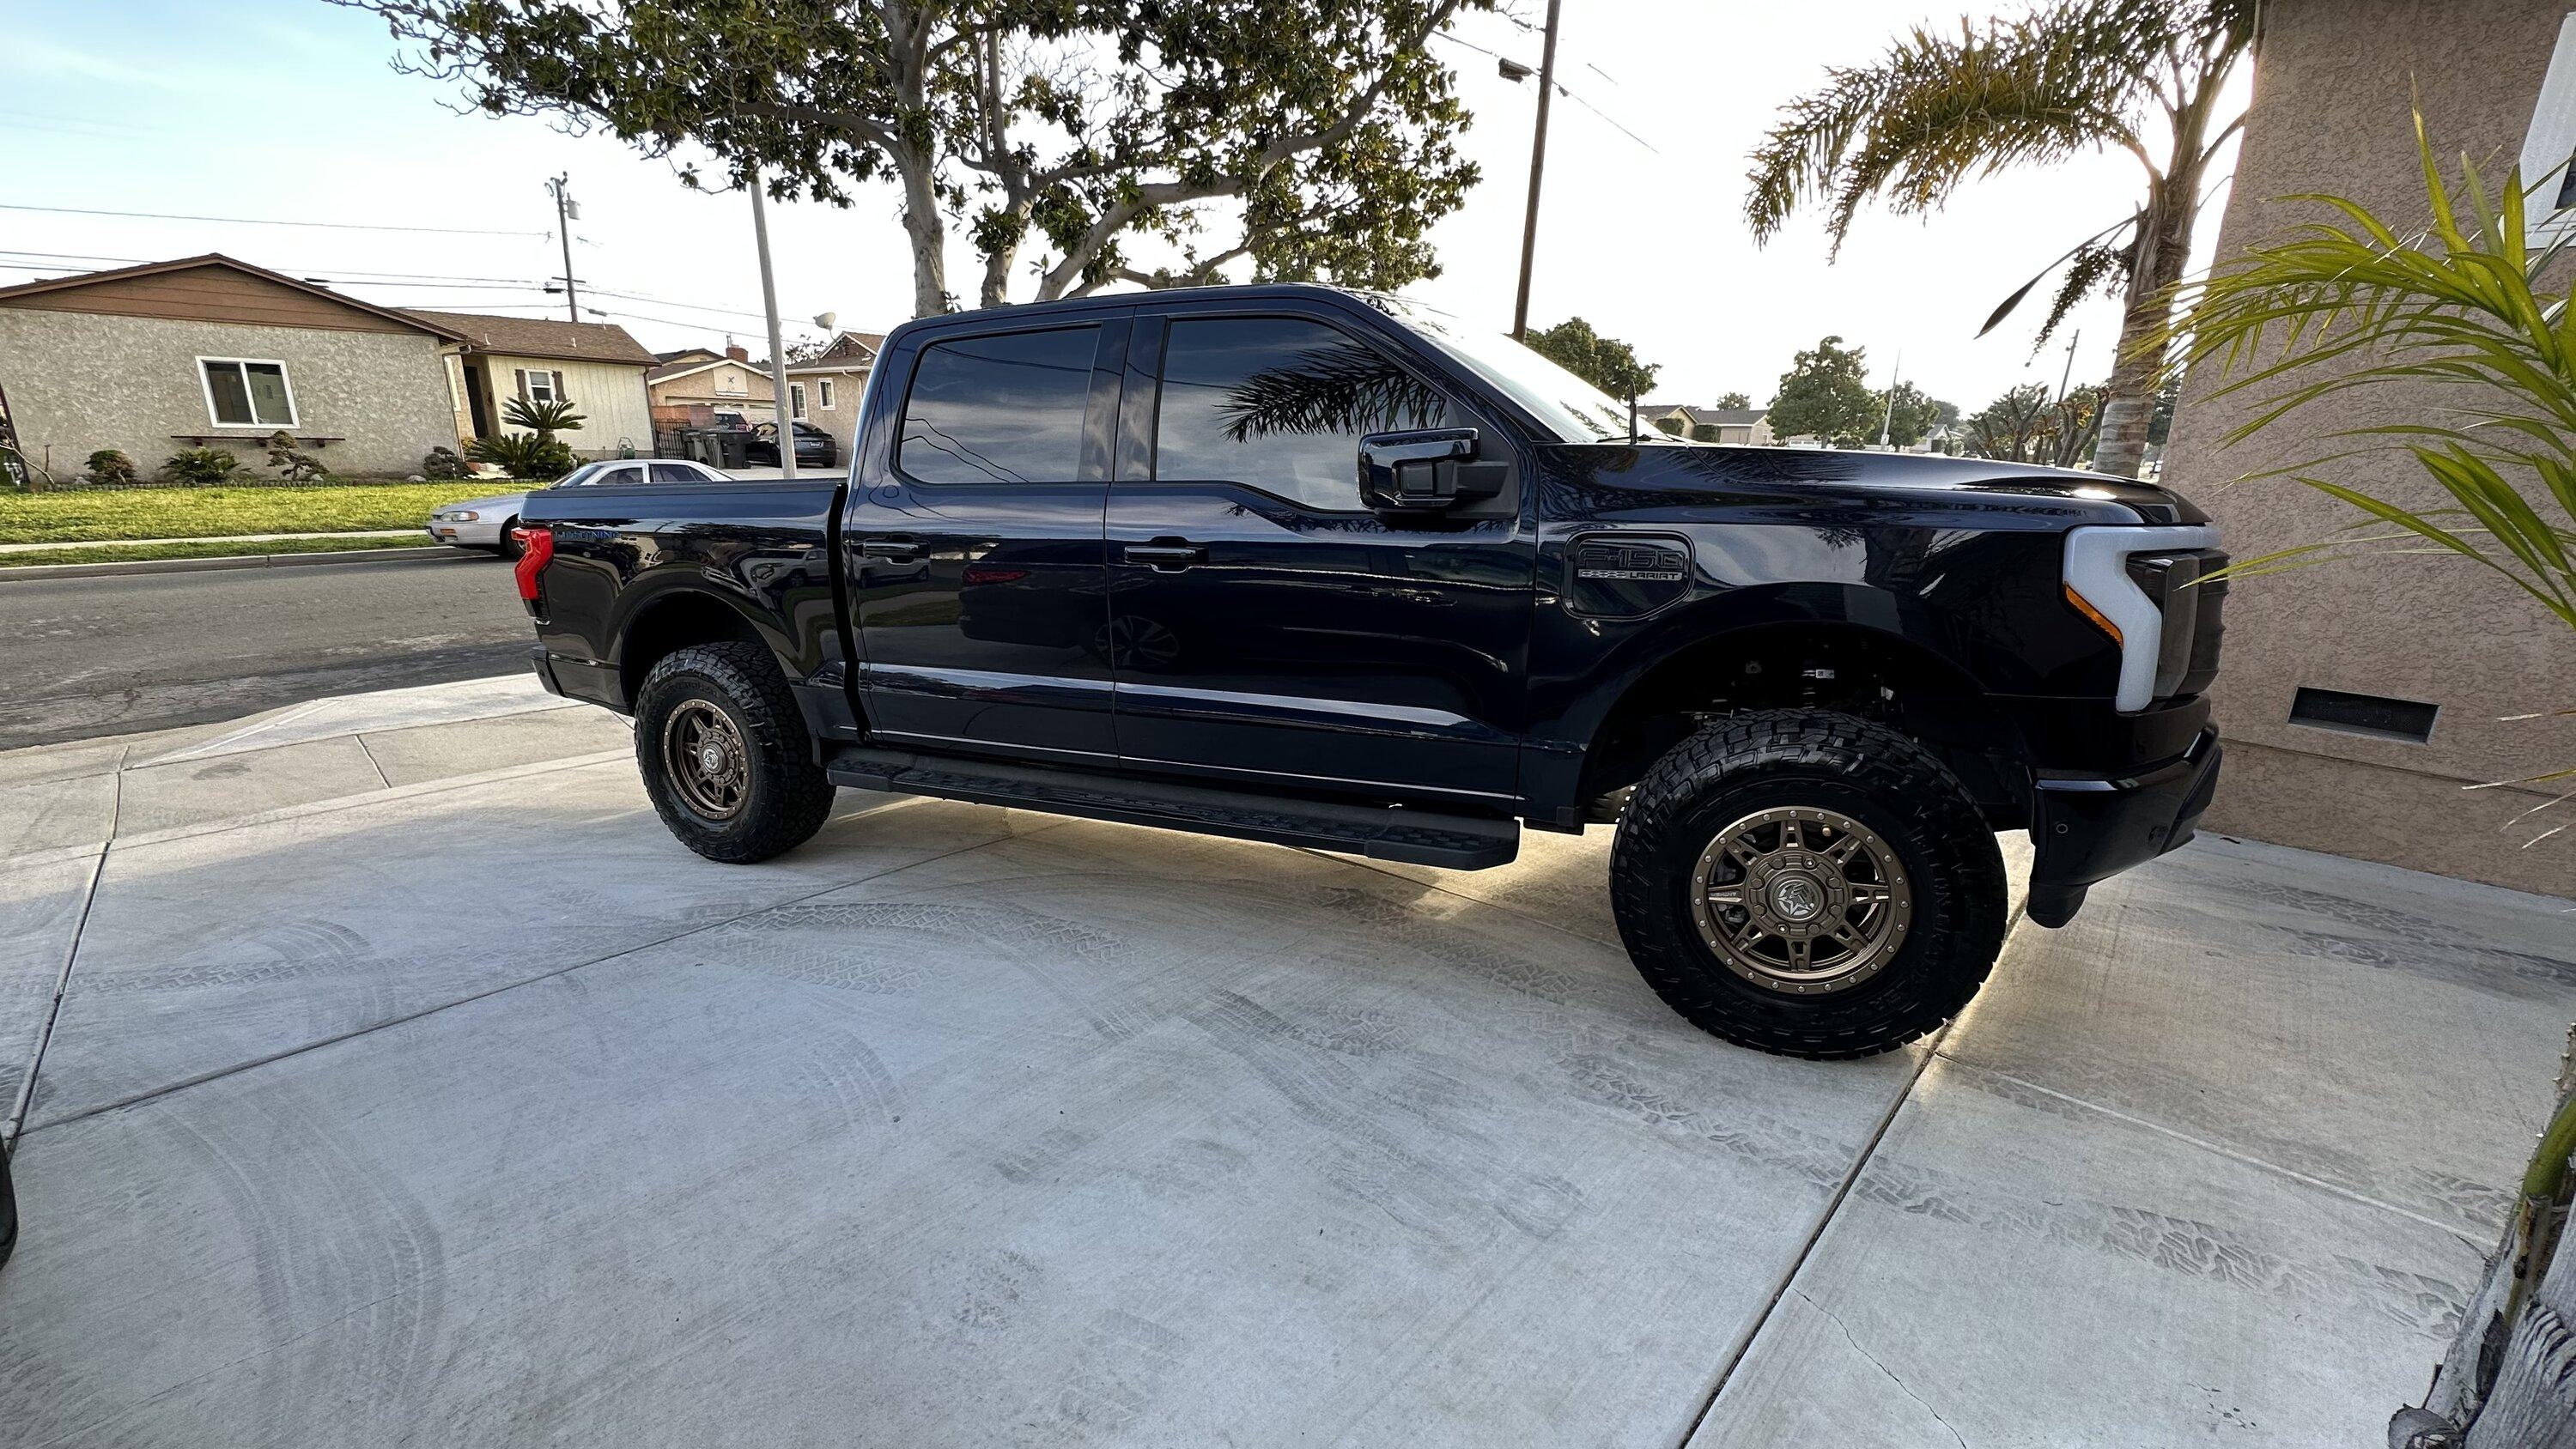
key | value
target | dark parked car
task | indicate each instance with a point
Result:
(814, 447)
(1298, 565)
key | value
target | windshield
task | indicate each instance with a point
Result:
(1577, 411)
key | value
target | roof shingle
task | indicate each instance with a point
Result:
(537, 337)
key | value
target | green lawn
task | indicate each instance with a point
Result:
(84, 516)
(109, 553)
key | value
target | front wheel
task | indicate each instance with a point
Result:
(508, 547)
(725, 755)
(1808, 883)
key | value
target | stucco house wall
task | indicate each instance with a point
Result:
(841, 419)
(2331, 114)
(81, 381)
(734, 387)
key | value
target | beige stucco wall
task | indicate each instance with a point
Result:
(609, 396)
(731, 385)
(81, 381)
(841, 419)
(2331, 114)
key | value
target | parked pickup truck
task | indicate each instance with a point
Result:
(1299, 565)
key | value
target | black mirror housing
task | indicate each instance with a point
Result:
(1425, 470)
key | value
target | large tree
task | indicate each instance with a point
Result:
(1826, 394)
(1733, 401)
(1313, 138)
(1914, 414)
(2070, 77)
(1605, 362)
(2028, 425)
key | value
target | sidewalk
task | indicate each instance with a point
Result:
(407, 1073)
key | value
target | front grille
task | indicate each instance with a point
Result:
(2194, 607)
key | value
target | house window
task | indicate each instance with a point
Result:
(825, 384)
(2549, 147)
(247, 393)
(542, 387)
(796, 399)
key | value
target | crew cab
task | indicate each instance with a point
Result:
(1301, 565)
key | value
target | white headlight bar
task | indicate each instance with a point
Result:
(2097, 569)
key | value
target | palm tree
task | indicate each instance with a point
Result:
(2070, 77)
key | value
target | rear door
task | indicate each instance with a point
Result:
(973, 539)
(1265, 623)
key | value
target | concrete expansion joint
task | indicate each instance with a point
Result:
(1892, 1376)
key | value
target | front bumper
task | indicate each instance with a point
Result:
(485, 533)
(2086, 830)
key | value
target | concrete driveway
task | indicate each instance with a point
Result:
(409, 1085)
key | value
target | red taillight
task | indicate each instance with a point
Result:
(536, 550)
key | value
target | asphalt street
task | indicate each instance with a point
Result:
(114, 654)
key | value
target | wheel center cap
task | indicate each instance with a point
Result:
(1797, 897)
(710, 758)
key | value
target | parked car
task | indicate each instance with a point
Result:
(485, 523)
(1292, 564)
(815, 448)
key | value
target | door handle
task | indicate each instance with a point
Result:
(1167, 555)
(893, 548)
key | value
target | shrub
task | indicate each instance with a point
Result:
(545, 419)
(1704, 433)
(531, 456)
(286, 458)
(110, 465)
(199, 467)
(441, 465)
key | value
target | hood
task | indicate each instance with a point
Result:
(508, 502)
(1712, 472)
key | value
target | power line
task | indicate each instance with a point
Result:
(1561, 88)
(270, 221)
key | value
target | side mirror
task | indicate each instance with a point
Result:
(1426, 470)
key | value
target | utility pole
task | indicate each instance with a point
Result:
(567, 211)
(777, 344)
(1887, 424)
(1538, 165)
(2067, 375)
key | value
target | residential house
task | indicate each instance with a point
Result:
(702, 389)
(595, 366)
(2358, 699)
(1728, 425)
(824, 391)
(208, 351)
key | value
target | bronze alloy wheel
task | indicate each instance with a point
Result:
(1800, 900)
(704, 756)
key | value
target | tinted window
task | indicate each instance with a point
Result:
(677, 473)
(1005, 408)
(1279, 404)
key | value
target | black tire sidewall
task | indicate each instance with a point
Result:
(1872, 775)
(778, 793)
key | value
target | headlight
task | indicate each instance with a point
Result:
(457, 515)
(2105, 589)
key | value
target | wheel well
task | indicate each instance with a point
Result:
(672, 623)
(1861, 671)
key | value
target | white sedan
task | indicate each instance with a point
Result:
(485, 523)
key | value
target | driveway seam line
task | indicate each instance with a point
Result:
(381, 776)
(240, 1067)
(2232, 1154)
(63, 979)
(1743, 1345)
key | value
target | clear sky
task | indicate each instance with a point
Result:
(288, 109)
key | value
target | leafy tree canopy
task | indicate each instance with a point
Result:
(1733, 400)
(1314, 138)
(1914, 415)
(1605, 362)
(1826, 394)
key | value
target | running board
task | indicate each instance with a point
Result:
(1380, 832)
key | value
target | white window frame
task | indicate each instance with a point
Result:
(2549, 147)
(796, 400)
(825, 384)
(206, 385)
(533, 378)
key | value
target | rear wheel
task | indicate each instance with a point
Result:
(725, 755)
(1808, 883)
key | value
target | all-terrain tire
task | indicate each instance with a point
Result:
(1810, 759)
(785, 796)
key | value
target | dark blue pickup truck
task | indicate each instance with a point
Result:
(1293, 564)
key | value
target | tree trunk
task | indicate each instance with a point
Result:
(929, 232)
(2129, 403)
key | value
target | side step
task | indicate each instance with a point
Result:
(1380, 832)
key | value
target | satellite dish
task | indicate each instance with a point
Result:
(825, 320)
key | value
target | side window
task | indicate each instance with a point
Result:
(1001, 408)
(677, 473)
(1279, 404)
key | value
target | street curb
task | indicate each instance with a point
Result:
(422, 553)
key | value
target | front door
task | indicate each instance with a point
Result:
(975, 554)
(1264, 622)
